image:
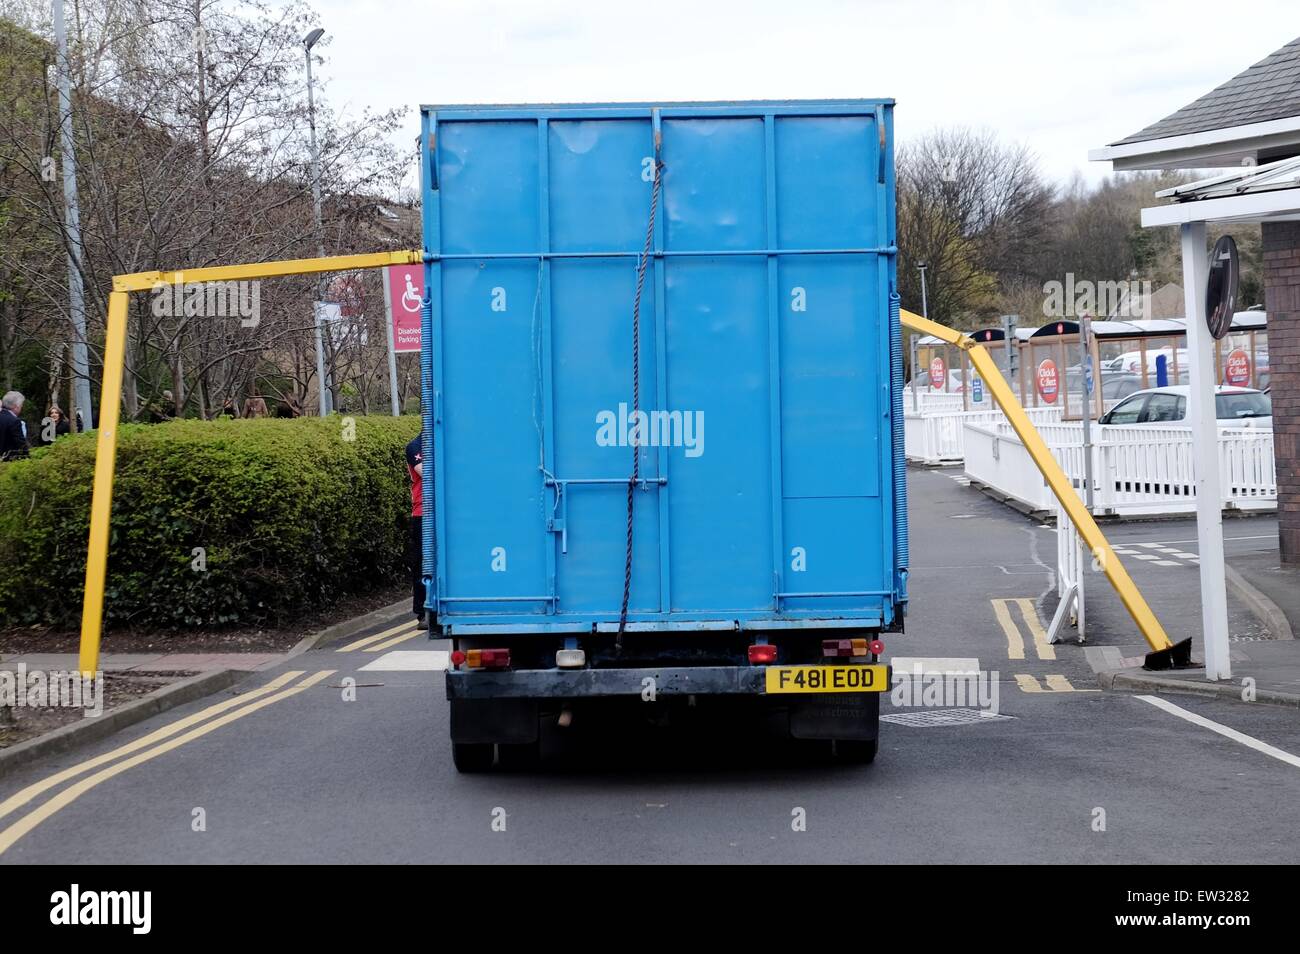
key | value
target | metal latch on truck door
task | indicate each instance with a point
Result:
(558, 521)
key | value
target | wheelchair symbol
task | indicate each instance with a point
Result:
(410, 297)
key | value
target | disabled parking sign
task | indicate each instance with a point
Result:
(405, 290)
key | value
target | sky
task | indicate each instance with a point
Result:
(1059, 77)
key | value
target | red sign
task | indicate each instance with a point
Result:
(405, 290)
(1236, 370)
(1048, 381)
(938, 373)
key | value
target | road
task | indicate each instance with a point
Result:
(1064, 773)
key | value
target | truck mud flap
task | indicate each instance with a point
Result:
(844, 716)
(507, 721)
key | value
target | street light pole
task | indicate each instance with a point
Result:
(72, 221)
(308, 42)
(925, 313)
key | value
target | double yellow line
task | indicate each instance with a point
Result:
(385, 640)
(1002, 609)
(145, 748)
(1015, 642)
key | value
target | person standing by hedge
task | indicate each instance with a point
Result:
(415, 540)
(13, 432)
(55, 425)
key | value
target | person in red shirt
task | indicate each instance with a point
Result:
(415, 542)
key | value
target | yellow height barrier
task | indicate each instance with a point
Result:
(1128, 592)
(101, 501)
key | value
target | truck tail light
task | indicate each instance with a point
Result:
(458, 658)
(488, 659)
(761, 654)
(877, 647)
(846, 647)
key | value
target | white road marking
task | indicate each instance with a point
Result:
(1166, 563)
(1146, 556)
(1263, 536)
(909, 665)
(1246, 740)
(416, 660)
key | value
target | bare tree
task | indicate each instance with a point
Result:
(189, 117)
(975, 211)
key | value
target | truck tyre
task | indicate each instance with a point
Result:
(520, 757)
(472, 757)
(855, 751)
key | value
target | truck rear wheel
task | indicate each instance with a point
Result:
(855, 751)
(471, 757)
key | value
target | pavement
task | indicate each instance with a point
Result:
(341, 754)
(148, 662)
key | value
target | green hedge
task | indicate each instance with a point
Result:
(290, 515)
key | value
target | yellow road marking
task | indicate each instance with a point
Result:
(73, 792)
(388, 644)
(21, 798)
(366, 641)
(1041, 645)
(1028, 683)
(1015, 642)
(1054, 684)
(1061, 684)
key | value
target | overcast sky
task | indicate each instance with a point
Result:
(1060, 77)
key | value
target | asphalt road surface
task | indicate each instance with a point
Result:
(288, 770)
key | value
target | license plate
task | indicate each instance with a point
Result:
(872, 678)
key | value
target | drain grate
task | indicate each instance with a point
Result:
(932, 718)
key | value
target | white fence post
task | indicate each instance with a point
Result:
(1070, 569)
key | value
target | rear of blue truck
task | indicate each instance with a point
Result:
(662, 382)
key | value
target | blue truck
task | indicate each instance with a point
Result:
(662, 397)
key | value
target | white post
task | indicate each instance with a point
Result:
(1205, 438)
(392, 345)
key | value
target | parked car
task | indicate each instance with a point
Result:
(1240, 407)
(1131, 361)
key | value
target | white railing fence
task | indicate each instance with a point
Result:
(1136, 469)
(937, 435)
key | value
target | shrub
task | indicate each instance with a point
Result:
(288, 514)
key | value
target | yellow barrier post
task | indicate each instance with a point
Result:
(101, 501)
(987, 368)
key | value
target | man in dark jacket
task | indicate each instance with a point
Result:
(13, 432)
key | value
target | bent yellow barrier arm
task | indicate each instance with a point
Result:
(101, 501)
(1129, 594)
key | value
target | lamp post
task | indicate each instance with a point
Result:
(72, 222)
(308, 42)
(925, 313)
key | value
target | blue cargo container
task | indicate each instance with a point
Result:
(763, 407)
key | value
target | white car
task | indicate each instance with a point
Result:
(1130, 362)
(1235, 407)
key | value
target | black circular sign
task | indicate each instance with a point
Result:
(1221, 287)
